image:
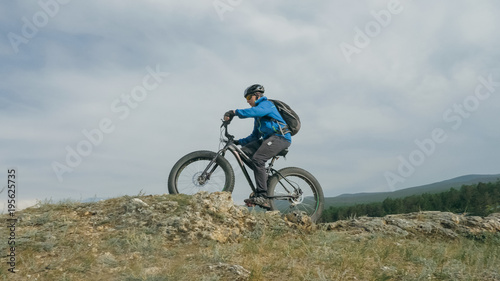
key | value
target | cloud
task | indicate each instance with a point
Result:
(358, 116)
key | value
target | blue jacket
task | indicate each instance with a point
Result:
(264, 126)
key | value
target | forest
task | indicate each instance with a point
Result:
(479, 199)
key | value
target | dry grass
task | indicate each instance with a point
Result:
(61, 242)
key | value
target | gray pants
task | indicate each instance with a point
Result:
(260, 151)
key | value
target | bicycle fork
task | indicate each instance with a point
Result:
(205, 175)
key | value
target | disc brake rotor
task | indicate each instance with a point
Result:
(198, 180)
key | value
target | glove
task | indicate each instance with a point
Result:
(237, 142)
(229, 114)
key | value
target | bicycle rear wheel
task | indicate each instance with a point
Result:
(184, 176)
(295, 189)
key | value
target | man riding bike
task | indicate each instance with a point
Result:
(269, 137)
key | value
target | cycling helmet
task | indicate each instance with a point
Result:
(253, 89)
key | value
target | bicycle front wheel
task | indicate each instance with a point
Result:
(185, 175)
(294, 189)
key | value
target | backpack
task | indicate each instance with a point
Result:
(291, 118)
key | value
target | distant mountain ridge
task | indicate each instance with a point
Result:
(438, 187)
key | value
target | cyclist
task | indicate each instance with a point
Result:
(268, 138)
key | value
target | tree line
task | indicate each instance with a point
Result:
(479, 199)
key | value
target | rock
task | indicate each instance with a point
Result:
(214, 216)
(231, 272)
(135, 205)
(152, 271)
(166, 206)
(299, 220)
(430, 223)
(107, 259)
(138, 202)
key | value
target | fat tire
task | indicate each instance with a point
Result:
(173, 184)
(310, 187)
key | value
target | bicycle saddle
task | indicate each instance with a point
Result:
(283, 152)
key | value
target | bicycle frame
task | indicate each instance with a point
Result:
(238, 154)
(241, 158)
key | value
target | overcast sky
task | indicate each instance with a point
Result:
(101, 98)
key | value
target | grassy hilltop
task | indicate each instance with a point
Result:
(207, 237)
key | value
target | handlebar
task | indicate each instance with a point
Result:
(226, 134)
